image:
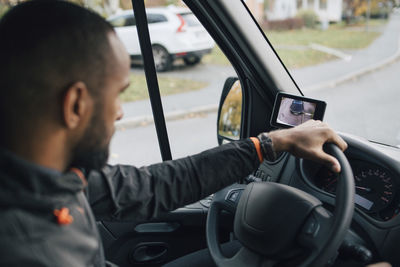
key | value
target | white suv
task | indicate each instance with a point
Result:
(174, 32)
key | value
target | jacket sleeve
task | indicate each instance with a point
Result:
(129, 193)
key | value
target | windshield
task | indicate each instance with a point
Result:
(344, 53)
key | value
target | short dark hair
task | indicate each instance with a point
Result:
(45, 47)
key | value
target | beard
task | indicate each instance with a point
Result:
(91, 152)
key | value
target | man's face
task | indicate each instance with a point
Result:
(93, 149)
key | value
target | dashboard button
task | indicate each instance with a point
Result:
(233, 196)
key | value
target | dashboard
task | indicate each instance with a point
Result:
(376, 170)
(377, 191)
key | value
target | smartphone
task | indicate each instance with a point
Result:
(292, 110)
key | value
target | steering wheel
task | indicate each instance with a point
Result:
(276, 223)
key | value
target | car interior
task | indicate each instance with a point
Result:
(354, 219)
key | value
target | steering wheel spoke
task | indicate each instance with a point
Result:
(228, 198)
(315, 228)
(246, 257)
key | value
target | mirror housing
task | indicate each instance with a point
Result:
(230, 111)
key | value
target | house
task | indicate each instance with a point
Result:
(257, 8)
(326, 10)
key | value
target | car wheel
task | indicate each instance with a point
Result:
(190, 61)
(162, 59)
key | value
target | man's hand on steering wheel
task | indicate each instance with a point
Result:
(306, 141)
(271, 233)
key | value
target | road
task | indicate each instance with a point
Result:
(139, 146)
(367, 107)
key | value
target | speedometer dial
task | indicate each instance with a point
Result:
(375, 188)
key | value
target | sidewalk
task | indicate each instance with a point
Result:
(384, 50)
(330, 73)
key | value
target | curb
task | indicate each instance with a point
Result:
(331, 51)
(355, 74)
(140, 121)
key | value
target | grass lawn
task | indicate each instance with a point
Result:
(297, 59)
(334, 37)
(217, 57)
(3, 9)
(168, 86)
(362, 22)
(337, 36)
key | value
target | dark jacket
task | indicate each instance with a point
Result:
(32, 233)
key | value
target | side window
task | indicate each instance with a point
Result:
(135, 139)
(130, 21)
(191, 74)
(156, 18)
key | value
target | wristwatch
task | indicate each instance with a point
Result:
(267, 147)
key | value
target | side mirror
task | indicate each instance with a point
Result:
(230, 111)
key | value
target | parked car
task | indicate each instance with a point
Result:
(175, 33)
(297, 107)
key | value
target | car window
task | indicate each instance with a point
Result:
(135, 140)
(130, 21)
(156, 18)
(191, 72)
(344, 53)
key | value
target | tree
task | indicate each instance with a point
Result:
(6, 4)
(356, 8)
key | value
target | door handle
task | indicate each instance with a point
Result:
(149, 252)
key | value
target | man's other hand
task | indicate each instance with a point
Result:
(307, 140)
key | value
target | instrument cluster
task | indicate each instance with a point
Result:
(377, 189)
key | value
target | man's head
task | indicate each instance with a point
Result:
(61, 70)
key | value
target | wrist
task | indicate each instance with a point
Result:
(278, 141)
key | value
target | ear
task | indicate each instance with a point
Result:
(77, 105)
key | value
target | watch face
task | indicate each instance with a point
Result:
(267, 148)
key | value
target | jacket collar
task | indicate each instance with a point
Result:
(18, 175)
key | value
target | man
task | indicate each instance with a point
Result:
(62, 69)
